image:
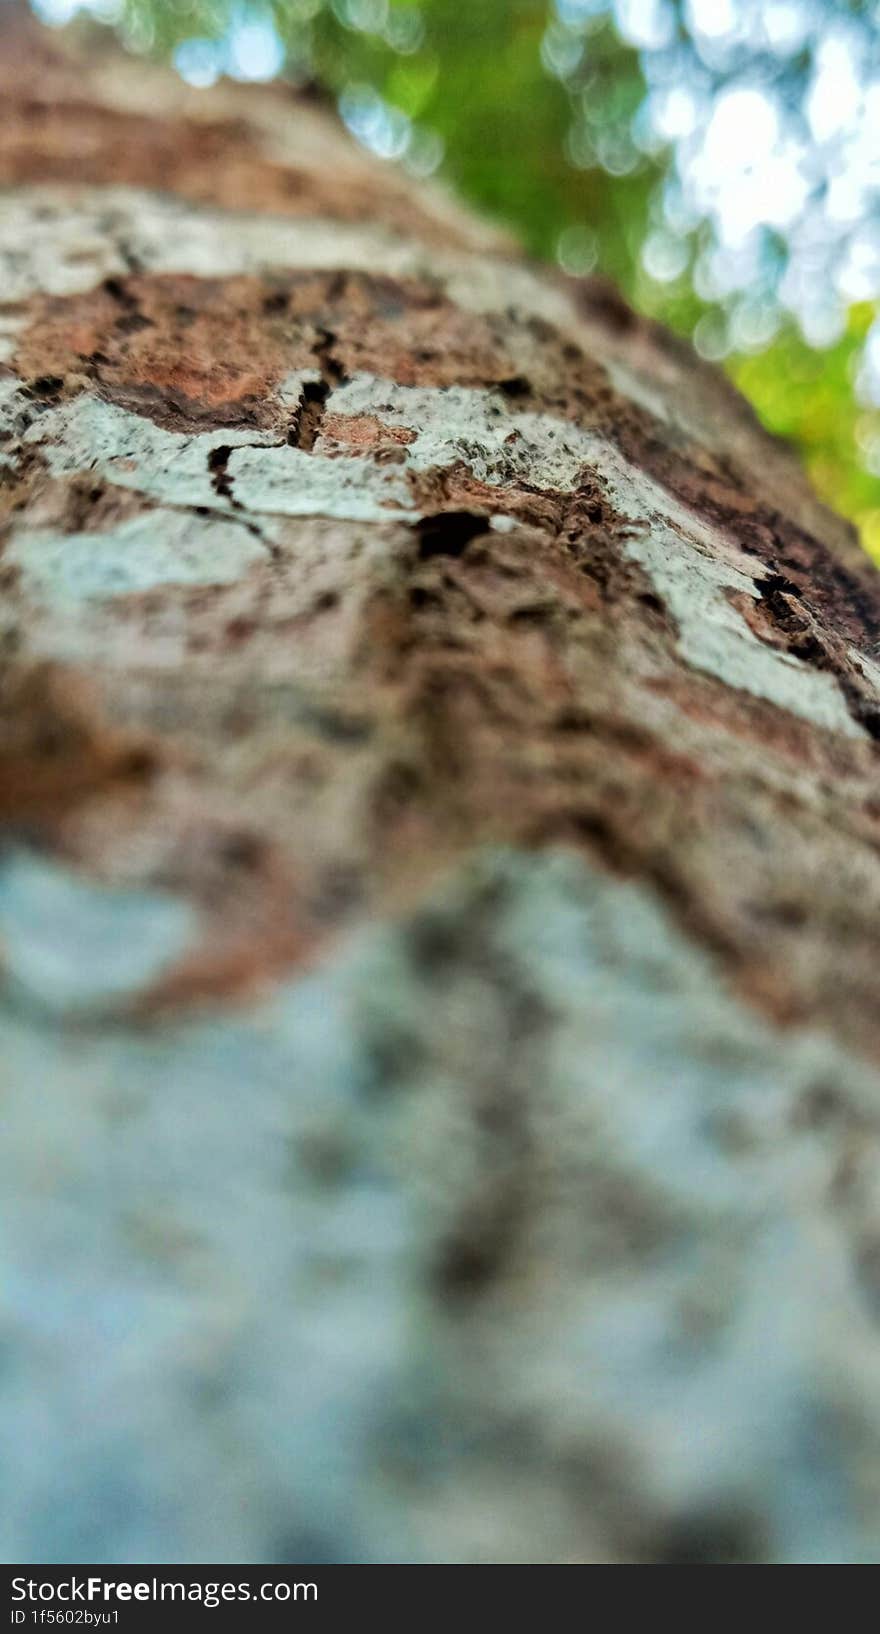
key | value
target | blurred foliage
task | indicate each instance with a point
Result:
(539, 127)
(807, 396)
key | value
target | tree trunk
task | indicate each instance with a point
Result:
(440, 886)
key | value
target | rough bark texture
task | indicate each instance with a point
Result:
(440, 886)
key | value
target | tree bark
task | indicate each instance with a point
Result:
(440, 886)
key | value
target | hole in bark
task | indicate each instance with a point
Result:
(420, 598)
(515, 386)
(869, 718)
(138, 763)
(242, 850)
(652, 602)
(777, 582)
(448, 533)
(573, 719)
(46, 385)
(326, 601)
(780, 612)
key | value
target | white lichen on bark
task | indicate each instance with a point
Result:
(674, 1302)
(693, 565)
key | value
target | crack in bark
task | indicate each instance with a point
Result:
(221, 481)
(305, 427)
(306, 424)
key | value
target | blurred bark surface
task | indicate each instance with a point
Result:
(440, 884)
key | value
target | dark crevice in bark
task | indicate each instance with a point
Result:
(782, 604)
(448, 533)
(781, 616)
(218, 461)
(331, 368)
(306, 425)
(221, 480)
(132, 261)
(119, 292)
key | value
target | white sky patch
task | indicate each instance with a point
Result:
(741, 173)
(673, 112)
(762, 147)
(858, 275)
(786, 25)
(376, 124)
(713, 19)
(57, 12)
(199, 61)
(253, 48)
(645, 23)
(835, 90)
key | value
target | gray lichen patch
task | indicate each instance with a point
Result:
(52, 244)
(14, 410)
(714, 638)
(70, 946)
(49, 243)
(296, 483)
(540, 1198)
(694, 566)
(53, 241)
(161, 547)
(498, 445)
(179, 468)
(247, 473)
(58, 245)
(88, 434)
(11, 323)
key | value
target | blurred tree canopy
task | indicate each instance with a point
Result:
(720, 159)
